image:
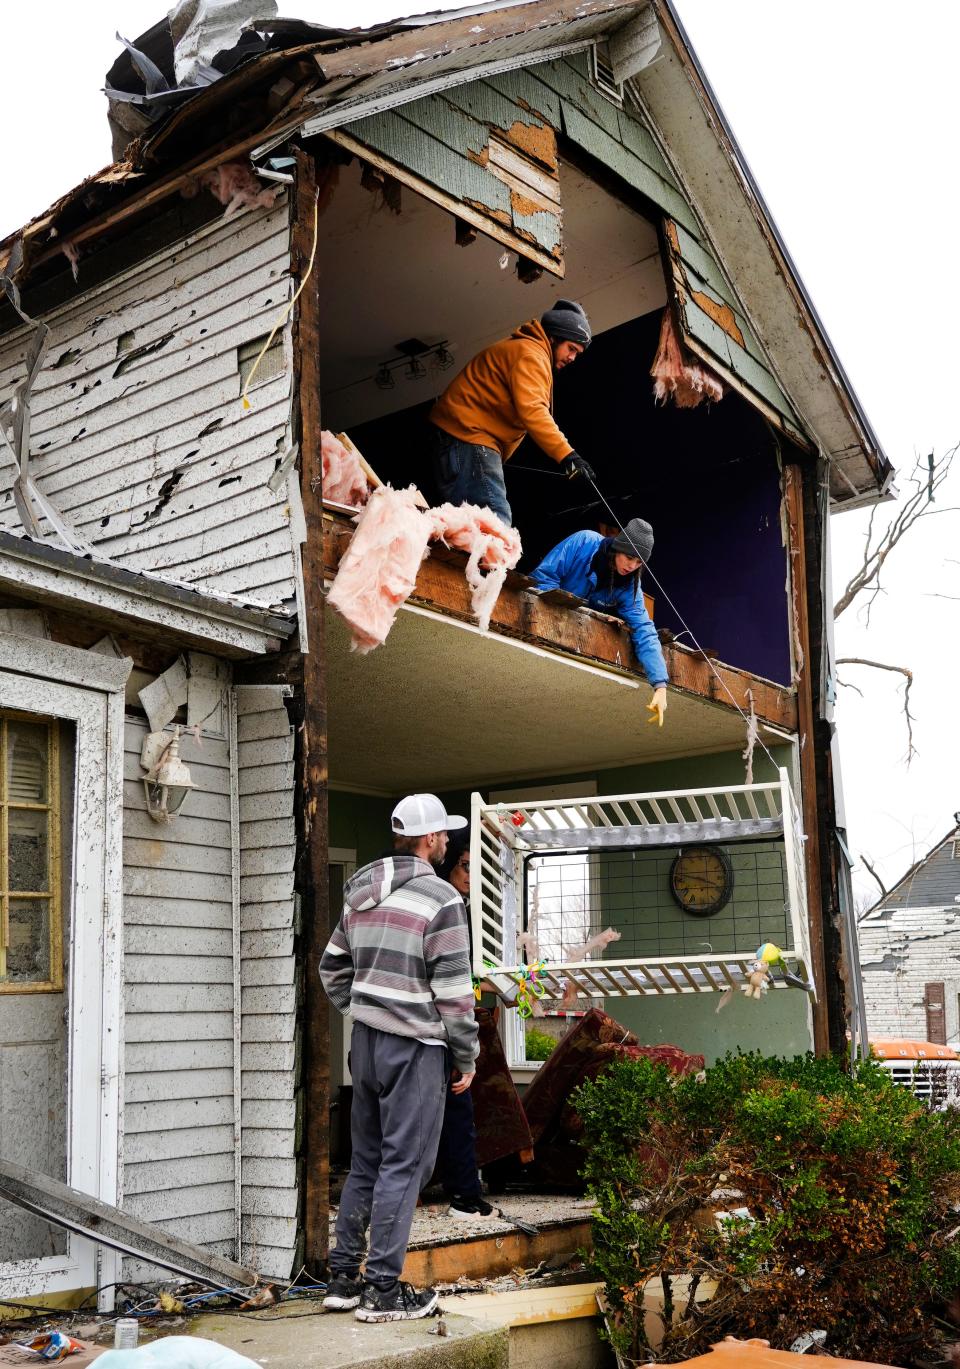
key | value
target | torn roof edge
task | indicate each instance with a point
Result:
(269, 618)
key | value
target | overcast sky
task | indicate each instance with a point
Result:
(845, 112)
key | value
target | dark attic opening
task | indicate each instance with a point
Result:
(410, 293)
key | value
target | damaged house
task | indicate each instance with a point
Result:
(910, 951)
(314, 238)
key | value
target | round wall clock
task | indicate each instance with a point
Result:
(701, 880)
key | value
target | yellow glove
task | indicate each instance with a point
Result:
(657, 705)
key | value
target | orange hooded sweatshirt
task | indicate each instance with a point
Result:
(503, 394)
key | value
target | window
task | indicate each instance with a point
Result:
(31, 931)
(272, 363)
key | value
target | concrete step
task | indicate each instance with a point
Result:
(542, 1328)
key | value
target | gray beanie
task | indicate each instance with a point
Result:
(636, 539)
(567, 322)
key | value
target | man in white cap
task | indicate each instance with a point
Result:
(399, 965)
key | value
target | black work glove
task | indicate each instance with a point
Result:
(574, 465)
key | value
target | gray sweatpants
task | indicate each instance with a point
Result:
(399, 1089)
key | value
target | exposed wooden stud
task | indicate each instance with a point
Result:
(312, 876)
(466, 233)
(796, 551)
(528, 271)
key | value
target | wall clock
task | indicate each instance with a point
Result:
(701, 880)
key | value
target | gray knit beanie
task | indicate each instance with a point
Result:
(636, 539)
(567, 322)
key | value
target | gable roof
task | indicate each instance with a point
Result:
(946, 883)
(307, 76)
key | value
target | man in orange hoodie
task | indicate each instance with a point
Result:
(503, 395)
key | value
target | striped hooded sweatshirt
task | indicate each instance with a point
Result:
(399, 958)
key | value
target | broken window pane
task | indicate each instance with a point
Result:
(27, 850)
(28, 945)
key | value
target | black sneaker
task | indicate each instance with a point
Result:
(467, 1209)
(402, 1303)
(342, 1293)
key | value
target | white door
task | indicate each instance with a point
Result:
(55, 793)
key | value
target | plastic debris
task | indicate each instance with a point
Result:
(177, 1352)
(50, 1346)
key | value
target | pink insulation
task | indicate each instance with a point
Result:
(235, 185)
(344, 480)
(493, 548)
(674, 376)
(379, 569)
(594, 943)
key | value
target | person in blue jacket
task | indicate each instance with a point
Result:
(605, 571)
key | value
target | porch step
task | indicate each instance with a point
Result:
(542, 1328)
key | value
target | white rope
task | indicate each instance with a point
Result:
(686, 627)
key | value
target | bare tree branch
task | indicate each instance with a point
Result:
(926, 478)
(867, 866)
(845, 684)
(908, 677)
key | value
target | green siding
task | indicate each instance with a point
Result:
(443, 140)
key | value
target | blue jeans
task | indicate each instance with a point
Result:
(467, 474)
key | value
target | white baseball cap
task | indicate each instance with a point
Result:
(418, 814)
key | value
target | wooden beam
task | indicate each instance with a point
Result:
(312, 873)
(796, 549)
(604, 641)
(75, 1211)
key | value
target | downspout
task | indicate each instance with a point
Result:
(312, 879)
(237, 993)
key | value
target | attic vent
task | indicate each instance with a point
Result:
(602, 75)
(270, 367)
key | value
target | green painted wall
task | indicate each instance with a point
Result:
(778, 1024)
(360, 823)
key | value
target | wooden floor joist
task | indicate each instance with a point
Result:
(441, 585)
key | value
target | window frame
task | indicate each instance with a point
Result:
(54, 894)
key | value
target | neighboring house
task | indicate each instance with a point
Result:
(164, 1041)
(910, 951)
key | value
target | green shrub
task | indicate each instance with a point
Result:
(851, 1186)
(539, 1044)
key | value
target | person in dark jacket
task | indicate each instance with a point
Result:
(398, 963)
(457, 1155)
(605, 571)
(504, 394)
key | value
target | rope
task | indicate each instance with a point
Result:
(287, 309)
(686, 627)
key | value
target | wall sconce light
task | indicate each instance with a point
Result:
(167, 781)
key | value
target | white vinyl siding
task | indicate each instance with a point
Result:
(138, 435)
(178, 1108)
(269, 1052)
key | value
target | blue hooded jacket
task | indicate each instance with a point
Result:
(569, 566)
